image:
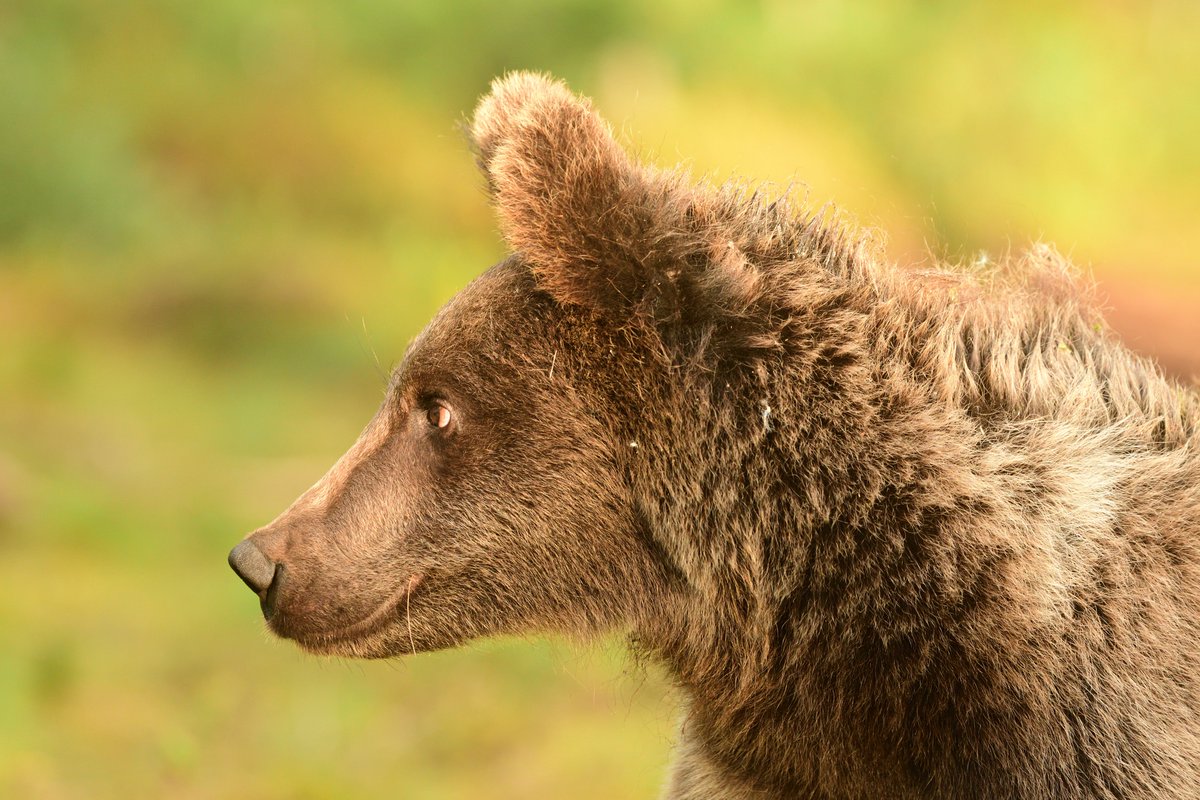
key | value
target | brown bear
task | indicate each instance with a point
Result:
(895, 534)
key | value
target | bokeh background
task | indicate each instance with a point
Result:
(221, 222)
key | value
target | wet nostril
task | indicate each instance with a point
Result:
(269, 599)
(252, 566)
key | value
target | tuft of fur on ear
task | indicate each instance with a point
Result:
(597, 229)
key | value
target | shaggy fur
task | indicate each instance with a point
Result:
(895, 534)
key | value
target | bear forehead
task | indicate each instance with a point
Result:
(498, 317)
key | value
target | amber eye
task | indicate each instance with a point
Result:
(438, 416)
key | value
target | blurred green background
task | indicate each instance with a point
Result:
(213, 216)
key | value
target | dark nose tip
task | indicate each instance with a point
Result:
(252, 566)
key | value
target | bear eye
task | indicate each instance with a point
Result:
(439, 416)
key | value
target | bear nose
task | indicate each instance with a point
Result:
(252, 566)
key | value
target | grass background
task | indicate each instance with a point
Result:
(213, 216)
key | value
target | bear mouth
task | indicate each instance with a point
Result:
(333, 640)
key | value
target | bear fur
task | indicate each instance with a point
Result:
(895, 534)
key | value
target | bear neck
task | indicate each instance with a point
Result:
(802, 499)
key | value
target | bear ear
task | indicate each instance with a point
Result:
(597, 229)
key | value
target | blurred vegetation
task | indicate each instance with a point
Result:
(213, 216)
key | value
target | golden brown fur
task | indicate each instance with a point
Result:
(895, 534)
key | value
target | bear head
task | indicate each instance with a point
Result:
(507, 483)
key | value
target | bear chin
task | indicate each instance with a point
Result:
(386, 631)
